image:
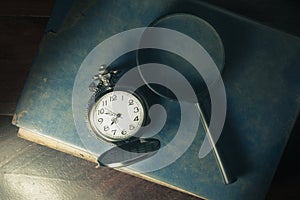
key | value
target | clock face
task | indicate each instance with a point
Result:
(117, 115)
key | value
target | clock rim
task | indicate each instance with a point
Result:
(92, 104)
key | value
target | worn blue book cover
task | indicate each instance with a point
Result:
(238, 81)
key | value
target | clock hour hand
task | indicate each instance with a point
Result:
(114, 120)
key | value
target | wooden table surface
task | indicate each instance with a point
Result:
(29, 171)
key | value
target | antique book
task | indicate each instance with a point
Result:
(260, 74)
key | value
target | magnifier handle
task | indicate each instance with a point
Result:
(226, 173)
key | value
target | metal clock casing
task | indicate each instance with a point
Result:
(117, 116)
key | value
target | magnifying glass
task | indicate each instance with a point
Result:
(204, 34)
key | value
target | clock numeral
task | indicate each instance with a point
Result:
(104, 103)
(123, 132)
(106, 128)
(114, 132)
(101, 111)
(136, 110)
(136, 118)
(130, 102)
(100, 120)
(131, 127)
(113, 98)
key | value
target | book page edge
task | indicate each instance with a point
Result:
(60, 146)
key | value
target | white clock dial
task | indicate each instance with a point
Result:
(117, 115)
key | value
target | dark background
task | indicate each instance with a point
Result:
(28, 170)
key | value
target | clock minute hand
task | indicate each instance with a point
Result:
(109, 112)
